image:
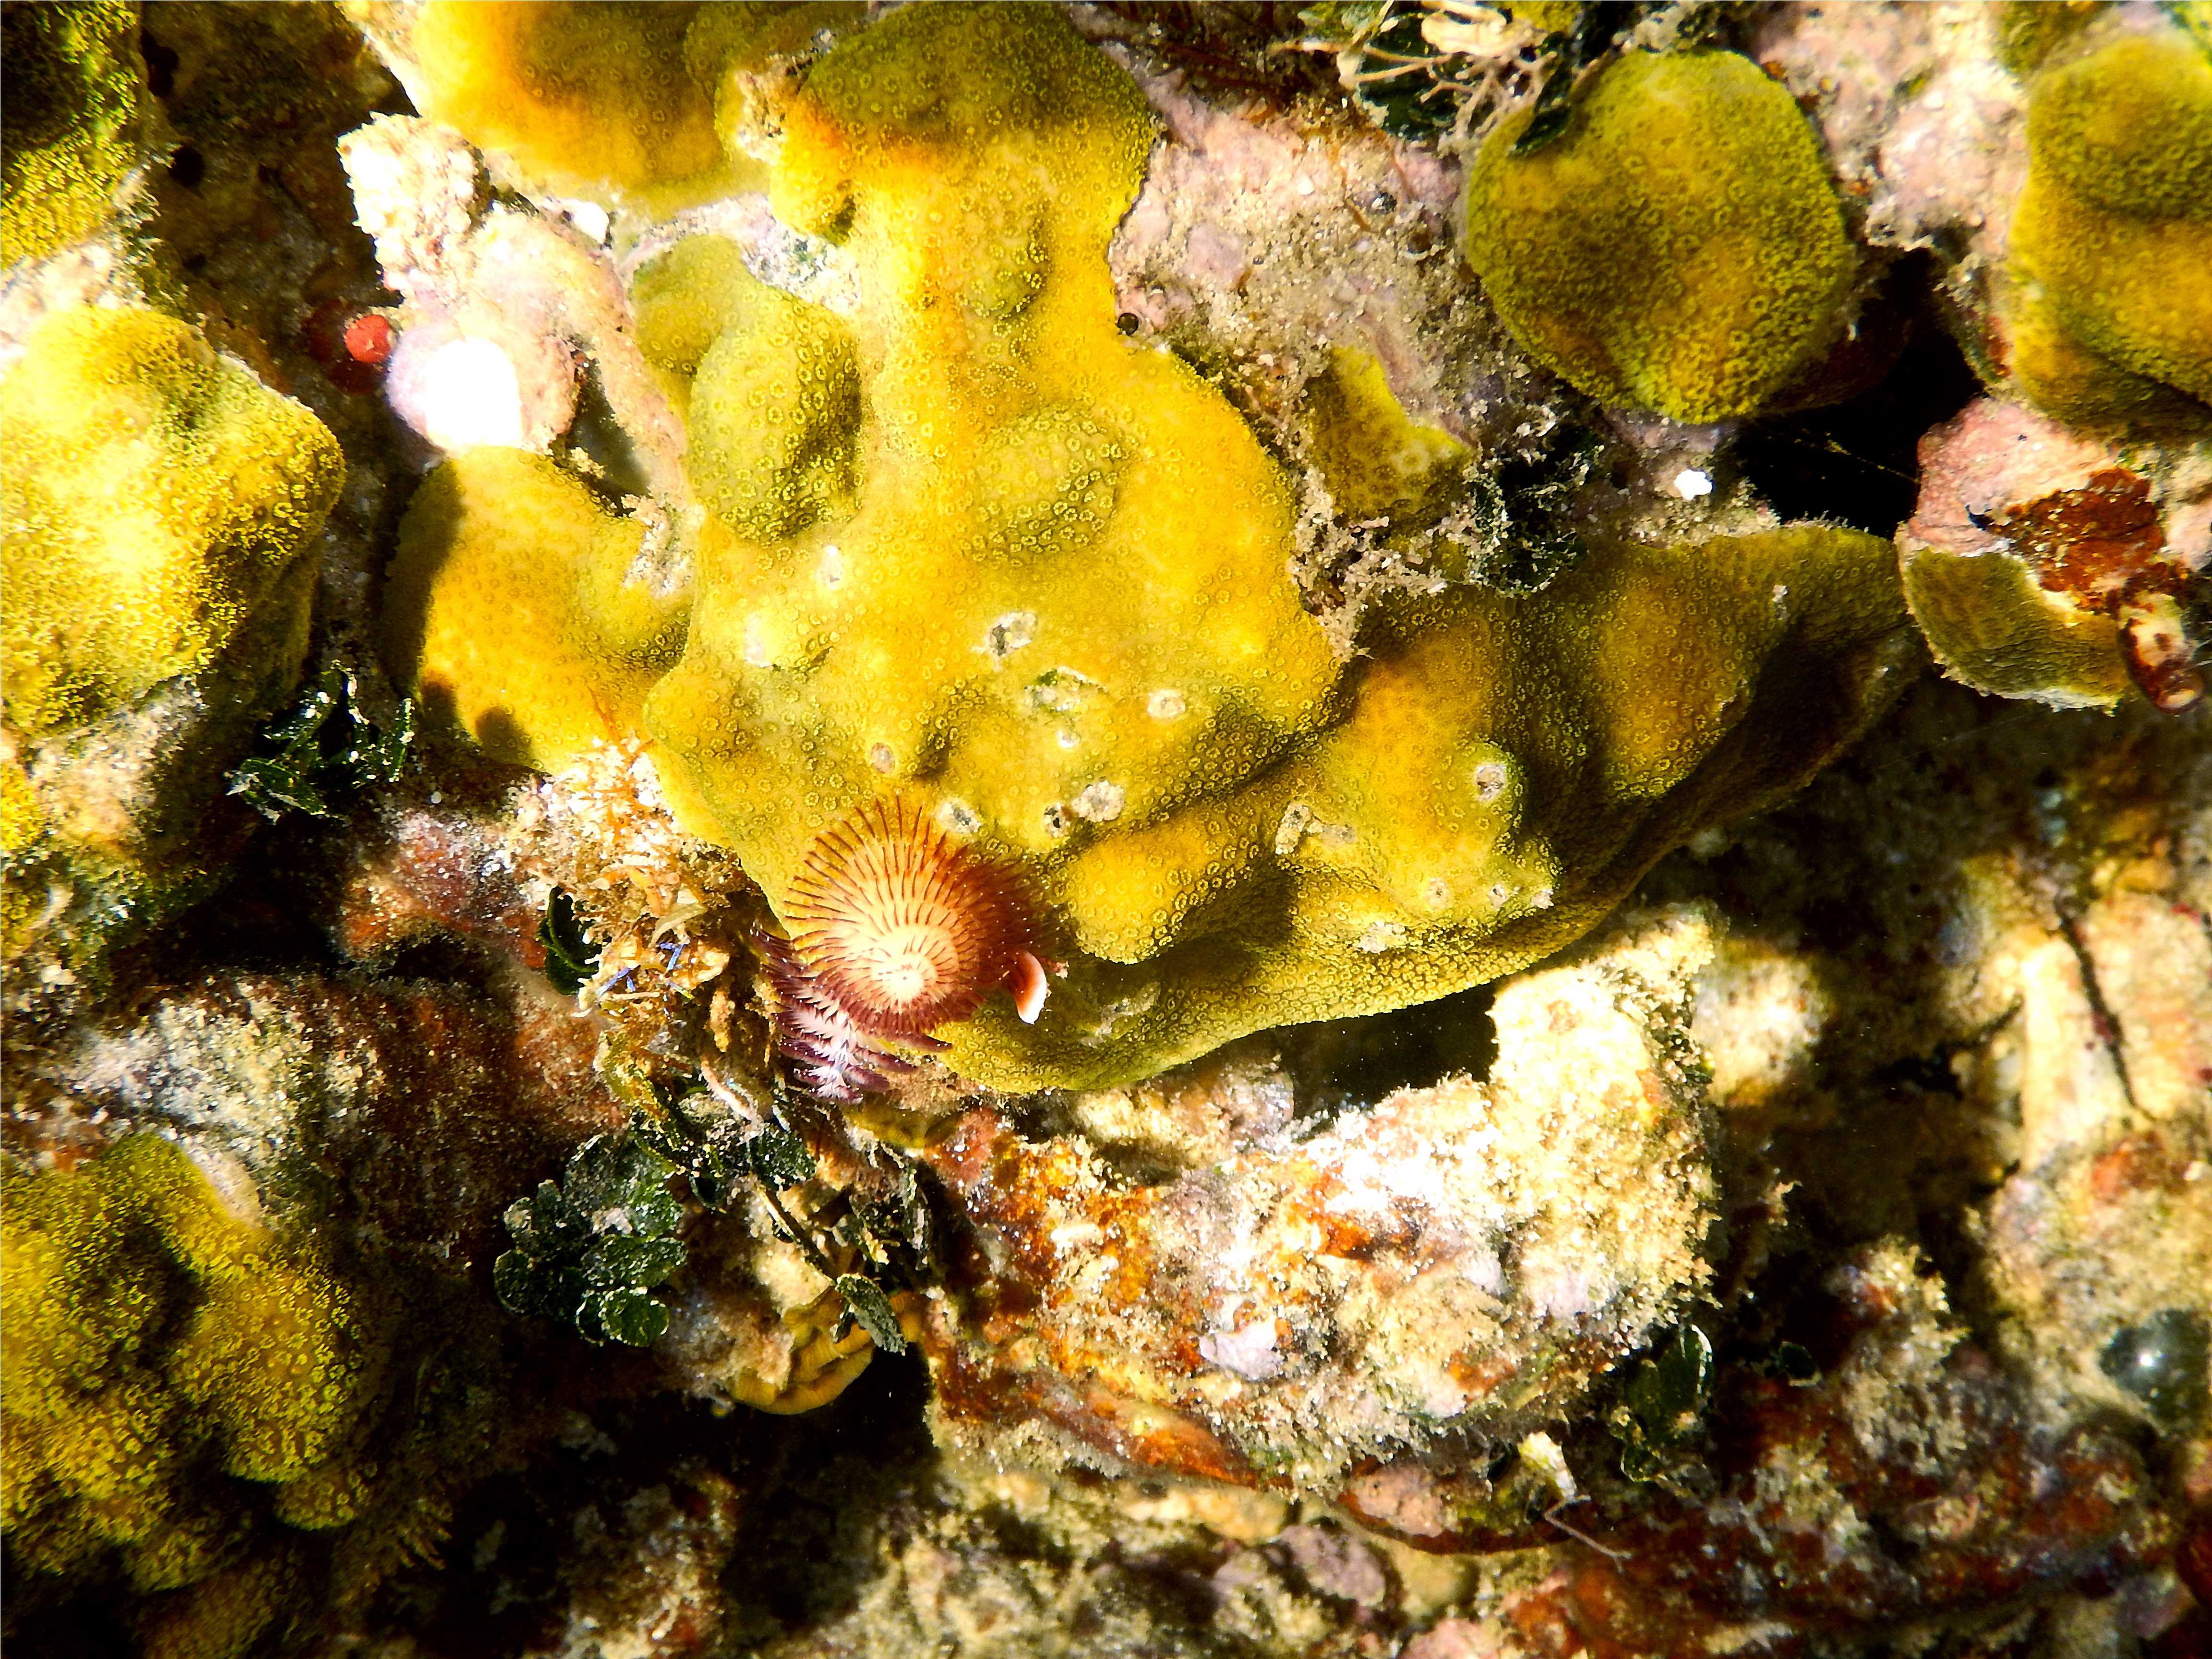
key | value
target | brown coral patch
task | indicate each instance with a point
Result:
(902, 928)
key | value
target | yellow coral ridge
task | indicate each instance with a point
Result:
(971, 547)
(2112, 313)
(1377, 461)
(157, 497)
(1990, 624)
(1697, 174)
(155, 1344)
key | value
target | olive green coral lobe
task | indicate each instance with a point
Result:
(2111, 308)
(1678, 248)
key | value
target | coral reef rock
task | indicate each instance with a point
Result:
(983, 830)
(1452, 1262)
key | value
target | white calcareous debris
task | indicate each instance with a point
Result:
(1461, 1257)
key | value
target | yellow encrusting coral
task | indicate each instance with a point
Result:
(1376, 459)
(502, 532)
(969, 547)
(159, 1351)
(2109, 313)
(1990, 624)
(156, 496)
(1677, 248)
(68, 126)
(590, 95)
(774, 396)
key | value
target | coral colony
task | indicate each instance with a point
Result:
(994, 830)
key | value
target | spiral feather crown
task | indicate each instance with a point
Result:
(902, 928)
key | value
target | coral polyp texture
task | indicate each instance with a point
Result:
(1360, 830)
(1677, 247)
(592, 95)
(160, 509)
(69, 130)
(157, 497)
(2111, 316)
(171, 1370)
(964, 541)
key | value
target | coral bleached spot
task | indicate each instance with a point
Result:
(466, 394)
(1101, 802)
(1380, 936)
(1010, 633)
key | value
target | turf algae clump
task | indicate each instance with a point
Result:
(1698, 173)
(966, 545)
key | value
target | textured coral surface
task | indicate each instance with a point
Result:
(967, 546)
(568, 567)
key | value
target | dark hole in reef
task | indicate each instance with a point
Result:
(1857, 462)
(1340, 1064)
(599, 435)
(160, 64)
(188, 166)
(264, 919)
(77, 1614)
(441, 959)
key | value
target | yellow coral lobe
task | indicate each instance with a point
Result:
(502, 533)
(904, 929)
(586, 93)
(70, 125)
(155, 506)
(967, 546)
(1377, 460)
(1698, 173)
(949, 607)
(1989, 625)
(2109, 306)
(154, 1342)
